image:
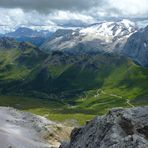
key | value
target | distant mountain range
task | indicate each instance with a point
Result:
(119, 37)
(29, 35)
(123, 38)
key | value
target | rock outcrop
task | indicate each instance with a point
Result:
(120, 128)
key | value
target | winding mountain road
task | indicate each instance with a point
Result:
(128, 102)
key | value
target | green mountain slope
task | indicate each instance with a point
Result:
(68, 86)
(17, 62)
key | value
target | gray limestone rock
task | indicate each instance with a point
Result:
(120, 128)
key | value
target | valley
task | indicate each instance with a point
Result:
(68, 87)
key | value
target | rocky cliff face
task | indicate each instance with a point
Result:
(120, 128)
(137, 47)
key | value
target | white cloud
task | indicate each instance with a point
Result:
(67, 16)
(10, 19)
(129, 8)
(28, 12)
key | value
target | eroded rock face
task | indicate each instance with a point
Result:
(120, 128)
(137, 47)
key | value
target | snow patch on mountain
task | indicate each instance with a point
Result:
(106, 36)
(109, 30)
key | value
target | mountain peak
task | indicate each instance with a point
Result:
(23, 29)
(127, 22)
(110, 29)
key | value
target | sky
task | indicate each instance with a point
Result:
(50, 14)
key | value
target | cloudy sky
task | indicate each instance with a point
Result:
(52, 13)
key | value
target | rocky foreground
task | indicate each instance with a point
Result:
(120, 128)
(25, 130)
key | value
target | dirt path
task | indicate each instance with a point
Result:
(100, 91)
(128, 102)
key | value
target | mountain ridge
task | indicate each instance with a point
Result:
(23, 34)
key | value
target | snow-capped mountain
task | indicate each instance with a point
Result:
(109, 30)
(105, 36)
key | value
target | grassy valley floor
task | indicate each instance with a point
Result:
(95, 102)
